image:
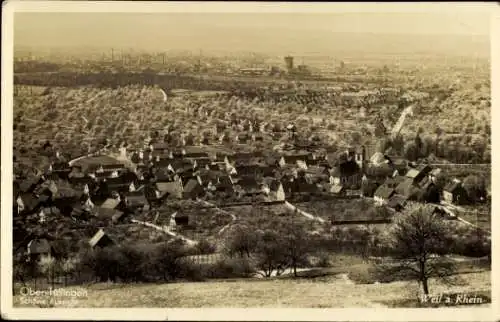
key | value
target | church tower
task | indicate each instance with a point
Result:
(360, 157)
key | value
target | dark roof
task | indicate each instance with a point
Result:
(205, 178)
(113, 166)
(246, 155)
(305, 187)
(384, 192)
(274, 186)
(30, 201)
(162, 175)
(396, 200)
(424, 168)
(452, 186)
(292, 159)
(119, 181)
(136, 199)
(28, 184)
(163, 162)
(60, 166)
(248, 170)
(196, 155)
(316, 170)
(345, 169)
(225, 180)
(248, 182)
(15, 190)
(160, 146)
(81, 181)
(425, 183)
(105, 174)
(39, 246)
(181, 165)
(201, 162)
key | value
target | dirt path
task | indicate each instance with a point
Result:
(166, 231)
(303, 213)
(164, 95)
(223, 211)
(71, 162)
(399, 124)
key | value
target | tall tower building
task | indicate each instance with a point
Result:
(289, 63)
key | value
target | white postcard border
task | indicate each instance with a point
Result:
(444, 314)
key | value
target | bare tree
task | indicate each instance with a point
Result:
(241, 242)
(419, 243)
(270, 254)
(296, 245)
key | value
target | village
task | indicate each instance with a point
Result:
(123, 185)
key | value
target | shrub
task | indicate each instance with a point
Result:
(324, 260)
(205, 247)
(230, 268)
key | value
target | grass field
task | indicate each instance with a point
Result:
(332, 292)
(203, 222)
(339, 209)
(265, 216)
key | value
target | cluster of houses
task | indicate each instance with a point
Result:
(109, 193)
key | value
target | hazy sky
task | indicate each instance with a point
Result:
(239, 31)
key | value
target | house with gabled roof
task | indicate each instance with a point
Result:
(101, 240)
(418, 173)
(29, 184)
(160, 147)
(336, 190)
(154, 196)
(257, 137)
(111, 210)
(274, 189)
(304, 187)
(192, 189)
(178, 166)
(454, 192)
(121, 184)
(249, 186)
(80, 183)
(38, 248)
(135, 200)
(397, 202)
(242, 138)
(163, 175)
(299, 160)
(317, 173)
(196, 155)
(162, 162)
(201, 163)
(174, 189)
(28, 203)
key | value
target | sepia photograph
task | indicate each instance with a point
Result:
(265, 155)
